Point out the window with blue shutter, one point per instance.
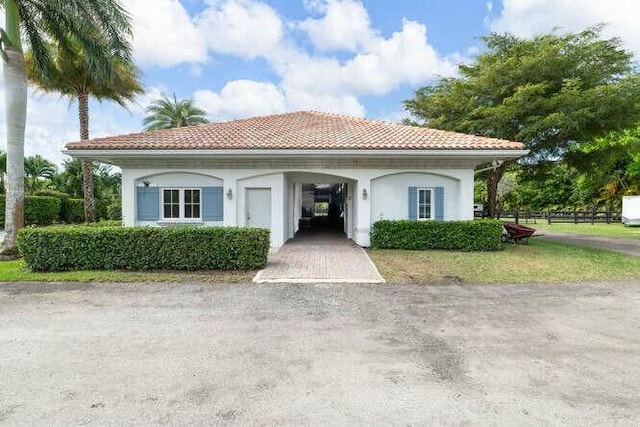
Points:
(426, 203)
(413, 203)
(147, 203)
(212, 204)
(439, 203)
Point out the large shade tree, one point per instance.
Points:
(100, 27)
(166, 113)
(549, 92)
(71, 75)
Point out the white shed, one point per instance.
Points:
(295, 170)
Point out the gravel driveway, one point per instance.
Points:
(319, 354)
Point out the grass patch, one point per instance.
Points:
(17, 271)
(605, 230)
(538, 262)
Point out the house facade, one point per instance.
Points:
(291, 171)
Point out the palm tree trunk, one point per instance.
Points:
(16, 114)
(87, 167)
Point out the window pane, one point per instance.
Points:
(196, 196)
(187, 196)
(427, 196)
(187, 211)
(196, 211)
(175, 211)
(421, 196)
(167, 211)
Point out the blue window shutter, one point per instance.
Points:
(413, 203)
(212, 204)
(439, 203)
(148, 203)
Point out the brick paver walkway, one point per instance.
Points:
(319, 258)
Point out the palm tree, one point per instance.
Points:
(36, 170)
(72, 76)
(100, 27)
(166, 113)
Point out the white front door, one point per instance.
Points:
(259, 207)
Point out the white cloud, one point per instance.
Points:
(53, 121)
(526, 18)
(405, 57)
(164, 34)
(240, 99)
(246, 98)
(334, 103)
(251, 29)
(142, 101)
(344, 26)
(242, 28)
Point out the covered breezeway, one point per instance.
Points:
(318, 204)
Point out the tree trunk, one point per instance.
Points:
(87, 167)
(16, 114)
(493, 179)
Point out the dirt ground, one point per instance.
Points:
(319, 354)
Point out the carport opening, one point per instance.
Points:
(323, 208)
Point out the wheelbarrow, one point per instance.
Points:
(516, 233)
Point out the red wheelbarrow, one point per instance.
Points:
(516, 233)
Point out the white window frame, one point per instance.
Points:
(432, 203)
(181, 204)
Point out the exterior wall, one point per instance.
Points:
(386, 192)
(389, 195)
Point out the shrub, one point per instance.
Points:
(478, 235)
(72, 210)
(41, 210)
(52, 193)
(104, 223)
(143, 248)
(114, 210)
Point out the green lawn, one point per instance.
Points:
(16, 271)
(609, 230)
(539, 262)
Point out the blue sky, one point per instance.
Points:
(241, 58)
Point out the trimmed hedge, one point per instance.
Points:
(143, 248)
(41, 210)
(476, 235)
(72, 210)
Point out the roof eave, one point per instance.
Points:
(474, 153)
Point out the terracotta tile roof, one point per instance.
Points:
(304, 130)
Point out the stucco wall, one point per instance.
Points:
(386, 193)
(390, 196)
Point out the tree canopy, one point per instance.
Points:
(551, 92)
(166, 113)
(101, 28)
(71, 75)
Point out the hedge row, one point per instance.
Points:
(143, 248)
(59, 207)
(478, 235)
(37, 210)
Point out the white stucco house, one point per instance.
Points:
(284, 171)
